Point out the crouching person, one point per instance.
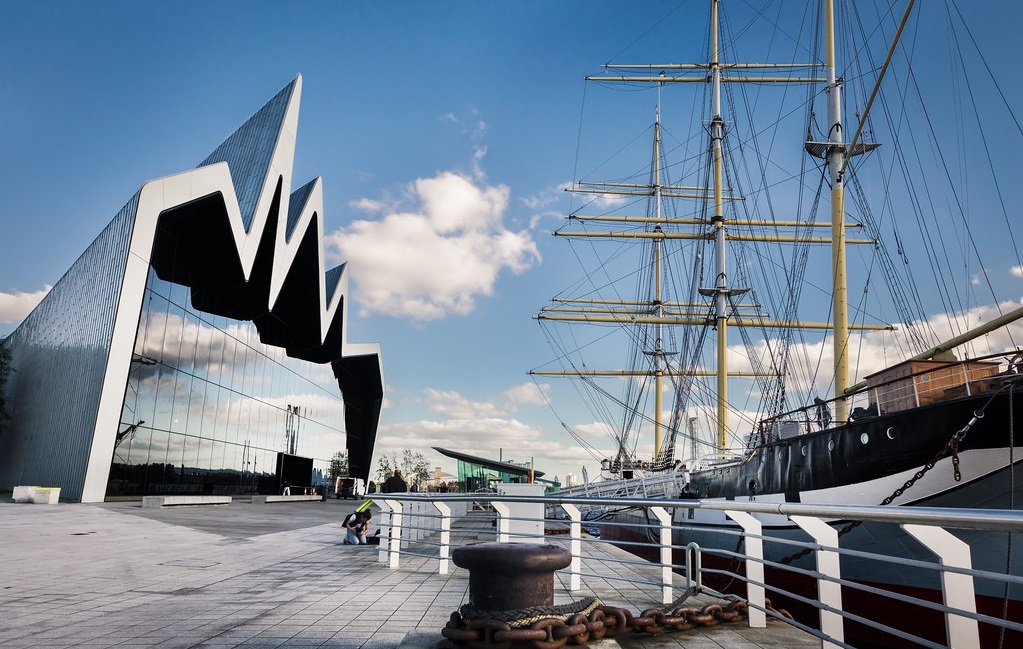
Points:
(356, 527)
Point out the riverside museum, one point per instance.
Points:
(198, 342)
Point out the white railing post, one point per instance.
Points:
(394, 533)
(503, 520)
(445, 536)
(828, 592)
(664, 518)
(385, 530)
(575, 532)
(755, 593)
(410, 520)
(957, 588)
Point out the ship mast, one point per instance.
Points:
(724, 311)
(717, 134)
(658, 353)
(836, 154)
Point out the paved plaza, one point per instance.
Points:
(243, 575)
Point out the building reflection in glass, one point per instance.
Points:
(208, 407)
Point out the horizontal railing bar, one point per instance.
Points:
(850, 616)
(999, 521)
(421, 526)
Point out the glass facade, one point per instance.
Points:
(59, 358)
(474, 477)
(208, 407)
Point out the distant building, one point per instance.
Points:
(570, 480)
(197, 337)
(475, 473)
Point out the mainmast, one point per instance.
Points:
(721, 292)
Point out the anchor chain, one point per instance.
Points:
(594, 620)
(951, 448)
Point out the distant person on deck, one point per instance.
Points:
(394, 484)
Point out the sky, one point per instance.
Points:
(444, 133)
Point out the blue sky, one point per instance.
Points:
(404, 103)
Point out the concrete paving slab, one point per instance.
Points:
(275, 575)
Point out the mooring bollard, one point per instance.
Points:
(510, 576)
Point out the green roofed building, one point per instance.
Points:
(476, 473)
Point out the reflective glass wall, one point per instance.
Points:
(208, 407)
(474, 477)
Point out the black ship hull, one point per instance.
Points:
(865, 463)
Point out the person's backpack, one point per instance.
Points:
(350, 519)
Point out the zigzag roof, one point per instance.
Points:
(247, 246)
(251, 249)
(261, 257)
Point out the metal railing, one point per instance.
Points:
(909, 385)
(421, 525)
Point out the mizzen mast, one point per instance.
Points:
(836, 154)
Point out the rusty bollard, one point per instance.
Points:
(510, 576)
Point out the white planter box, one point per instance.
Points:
(24, 494)
(46, 496)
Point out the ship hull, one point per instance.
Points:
(865, 463)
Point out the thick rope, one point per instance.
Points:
(527, 616)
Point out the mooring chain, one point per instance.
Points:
(602, 621)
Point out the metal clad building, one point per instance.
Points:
(199, 335)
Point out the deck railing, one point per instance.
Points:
(420, 524)
(910, 384)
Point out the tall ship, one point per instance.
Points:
(790, 293)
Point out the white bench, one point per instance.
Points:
(37, 495)
(184, 501)
(263, 500)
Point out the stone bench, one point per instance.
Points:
(263, 500)
(37, 495)
(184, 501)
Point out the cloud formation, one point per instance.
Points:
(529, 393)
(454, 405)
(432, 255)
(15, 306)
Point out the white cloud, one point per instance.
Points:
(541, 204)
(15, 306)
(369, 206)
(436, 256)
(528, 394)
(494, 438)
(1017, 271)
(876, 350)
(454, 405)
